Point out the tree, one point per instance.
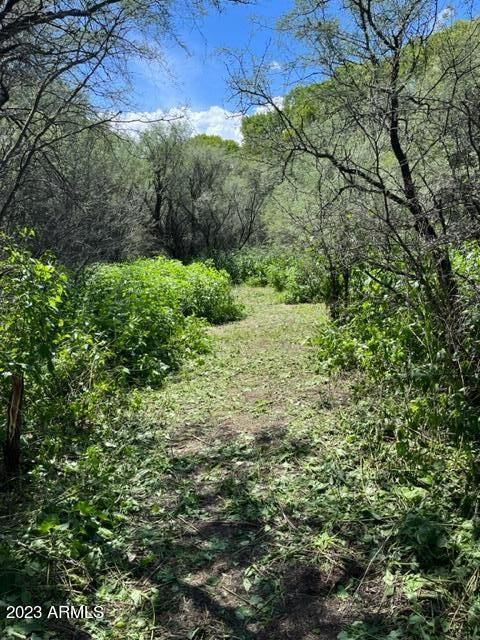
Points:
(385, 119)
(204, 199)
(63, 72)
(85, 199)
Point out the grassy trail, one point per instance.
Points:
(258, 379)
(249, 498)
(233, 503)
(231, 542)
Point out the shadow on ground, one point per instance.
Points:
(218, 571)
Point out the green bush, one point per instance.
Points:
(390, 332)
(152, 313)
(208, 293)
(32, 296)
(301, 275)
(375, 333)
(75, 342)
(306, 280)
(248, 265)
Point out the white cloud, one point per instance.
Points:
(275, 66)
(214, 121)
(278, 101)
(444, 16)
(217, 121)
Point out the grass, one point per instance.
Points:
(252, 498)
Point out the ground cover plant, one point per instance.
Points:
(152, 312)
(232, 504)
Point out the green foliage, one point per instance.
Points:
(301, 276)
(390, 331)
(374, 333)
(216, 142)
(259, 130)
(152, 312)
(250, 265)
(46, 339)
(32, 293)
(76, 342)
(306, 280)
(203, 195)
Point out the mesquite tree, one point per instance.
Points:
(203, 197)
(393, 120)
(64, 71)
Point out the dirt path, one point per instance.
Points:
(258, 379)
(232, 542)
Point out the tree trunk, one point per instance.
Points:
(11, 447)
(423, 226)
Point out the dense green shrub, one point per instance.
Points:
(207, 293)
(390, 332)
(374, 333)
(301, 276)
(248, 265)
(75, 342)
(32, 294)
(306, 280)
(144, 316)
(152, 312)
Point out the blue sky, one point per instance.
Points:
(196, 77)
